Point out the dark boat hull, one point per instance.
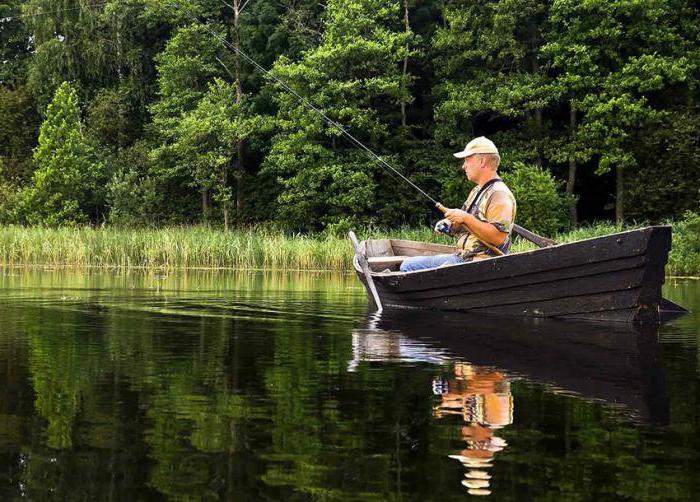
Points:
(614, 278)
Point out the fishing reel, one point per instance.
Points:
(443, 226)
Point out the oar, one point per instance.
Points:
(362, 260)
(542, 242)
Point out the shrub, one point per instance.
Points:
(542, 206)
(131, 194)
(685, 253)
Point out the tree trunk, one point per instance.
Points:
(118, 37)
(619, 195)
(239, 98)
(405, 61)
(571, 181)
(237, 45)
(535, 68)
(205, 206)
(224, 176)
(239, 182)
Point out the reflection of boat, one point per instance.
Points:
(616, 278)
(617, 363)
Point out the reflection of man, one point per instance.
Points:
(482, 396)
(489, 211)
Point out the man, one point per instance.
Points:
(488, 213)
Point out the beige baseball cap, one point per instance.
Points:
(477, 145)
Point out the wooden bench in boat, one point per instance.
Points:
(389, 254)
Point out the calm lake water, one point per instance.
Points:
(250, 386)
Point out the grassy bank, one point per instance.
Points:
(200, 247)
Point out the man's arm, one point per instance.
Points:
(495, 231)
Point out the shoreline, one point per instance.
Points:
(251, 249)
(128, 269)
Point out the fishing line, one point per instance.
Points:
(52, 12)
(309, 105)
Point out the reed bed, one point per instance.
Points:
(174, 247)
(206, 248)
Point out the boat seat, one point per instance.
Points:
(379, 248)
(382, 263)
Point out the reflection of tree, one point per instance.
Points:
(481, 396)
(194, 411)
(590, 451)
(297, 384)
(338, 434)
(81, 448)
(64, 363)
(126, 402)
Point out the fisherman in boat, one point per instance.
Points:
(489, 212)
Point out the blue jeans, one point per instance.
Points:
(422, 262)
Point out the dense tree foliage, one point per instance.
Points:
(601, 96)
(66, 185)
(355, 77)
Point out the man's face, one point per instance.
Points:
(470, 166)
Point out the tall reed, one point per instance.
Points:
(207, 248)
(173, 247)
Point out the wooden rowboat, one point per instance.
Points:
(617, 277)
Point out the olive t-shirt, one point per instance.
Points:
(497, 206)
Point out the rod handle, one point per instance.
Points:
(441, 207)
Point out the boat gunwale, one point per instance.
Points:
(522, 254)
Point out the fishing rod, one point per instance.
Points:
(339, 127)
(540, 241)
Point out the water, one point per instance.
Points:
(282, 387)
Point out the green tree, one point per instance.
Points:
(18, 134)
(186, 67)
(208, 138)
(666, 183)
(96, 45)
(14, 43)
(133, 195)
(69, 45)
(542, 207)
(256, 28)
(616, 62)
(491, 80)
(355, 76)
(66, 184)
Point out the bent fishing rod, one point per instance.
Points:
(267, 73)
(540, 241)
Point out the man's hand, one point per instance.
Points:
(457, 216)
(482, 230)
